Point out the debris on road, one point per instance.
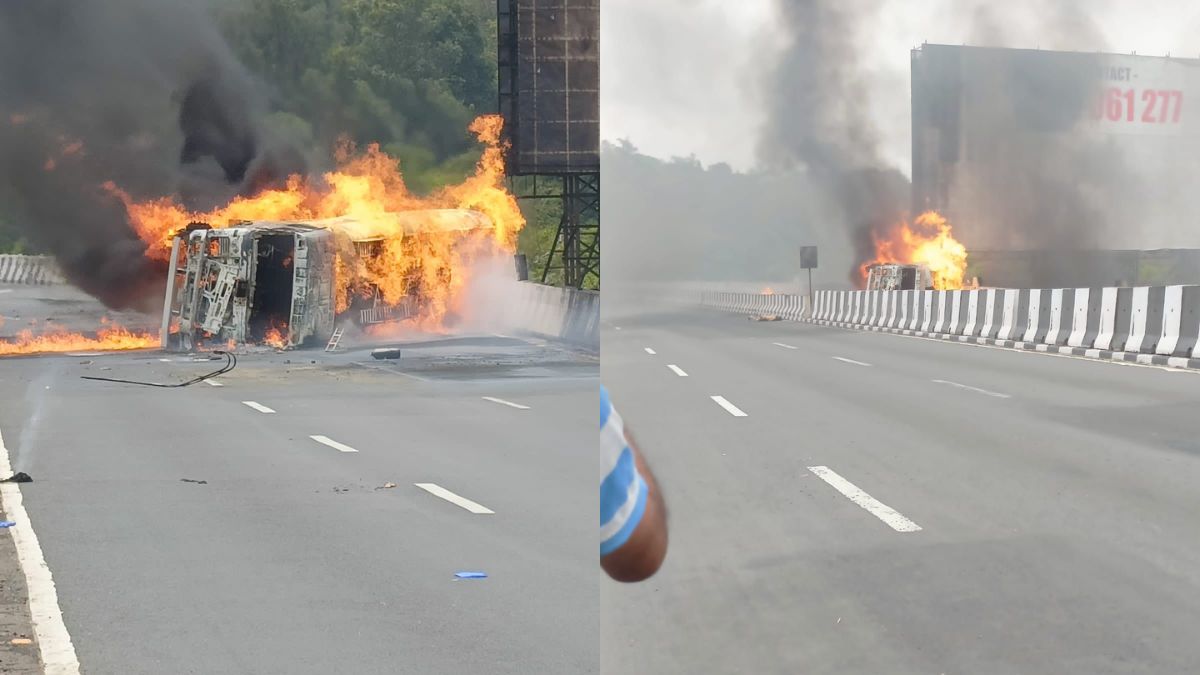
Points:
(386, 353)
(765, 317)
(386, 486)
(193, 480)
(21, 641)
(6, 523)
(18, 477)
(230, 364)
(471, 575)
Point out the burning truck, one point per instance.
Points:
(898, 277)
(288, 283)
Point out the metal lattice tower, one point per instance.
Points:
(576, 249)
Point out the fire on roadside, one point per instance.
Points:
(926, 241)
(368, 190)
(767, 290)
(110, 337)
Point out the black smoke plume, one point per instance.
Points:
(818, 119)
(143, 93)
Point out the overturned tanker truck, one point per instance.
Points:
(278, 283)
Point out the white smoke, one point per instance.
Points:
(491, 301)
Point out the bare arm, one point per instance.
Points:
(642, 555)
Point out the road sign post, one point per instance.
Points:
(808, 261)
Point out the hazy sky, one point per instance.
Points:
(684, 77)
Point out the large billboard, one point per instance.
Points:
(1030, 149)
(549, 81)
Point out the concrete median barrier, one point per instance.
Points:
(565, 314)
(1149, 324)
(29, 269)
(784, 305)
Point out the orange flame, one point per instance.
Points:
(767, 290)
(928, 241)
(109, 338)
(274, 338)
(369, 190)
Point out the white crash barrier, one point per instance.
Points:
(29, 269)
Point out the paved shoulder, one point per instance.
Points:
(18, 652)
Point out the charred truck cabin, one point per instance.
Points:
(276, 283)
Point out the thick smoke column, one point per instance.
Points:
(1027, 174)
(144, 93)
(818, 103)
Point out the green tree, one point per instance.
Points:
(410, 72)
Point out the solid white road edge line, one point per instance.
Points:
(852, 361)
(729, 407)
(258, 406)
(677, 370)
(53, 640)
(780, 344)
(650, 351)
(325, 440)
(882, 511)
(510, 404)
(977, 390)
(439, 491)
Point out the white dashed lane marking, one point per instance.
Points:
(851, 361)
(650, 351)
(977, 390)
(258, 406)
(729, 407)
(325, 440)
(510, 404)
(882, 511)
(439, 491)
(677, 370)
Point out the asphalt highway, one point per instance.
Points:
(857, 502)
(341, 496)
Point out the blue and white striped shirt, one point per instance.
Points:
(622, 488)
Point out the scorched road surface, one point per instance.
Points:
(295, 556)
(865, 503)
